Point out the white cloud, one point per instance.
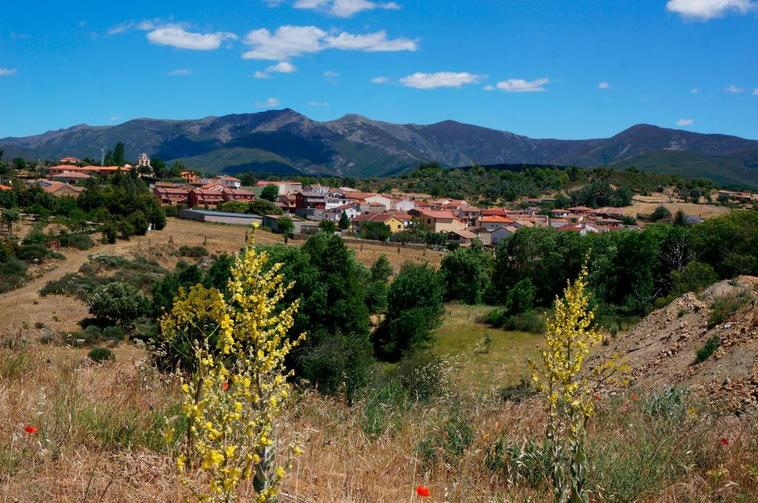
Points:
(284, 43)
(146, 25)
(704, 10)
(370, 42)
(734, 89)
(342, 8)
(694, 90)
(6, 72)
(685, 122)
(489, 87)
(269, 103)
(603, 85)
(289, 41)
(420, 80)
(281, 67)
(318, 104)
(114, 118)
(523, 86)
(755, 91)
(180, 72)
(380, 80)
(176, 36)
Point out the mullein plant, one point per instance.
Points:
(568, 389)
(234, 395)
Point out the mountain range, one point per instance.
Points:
(286, 142)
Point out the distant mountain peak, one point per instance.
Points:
(285, 141)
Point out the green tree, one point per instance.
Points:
(375, 231)
(415, 309)
(466, 272)
(263, 207)
(119, 158)
(286, 226)
(327, 226)
(159, 167)
(729, 243)
(660, 213)
(330, 286)
(270, 193)
(344, 222)
(376, 291)
(694, 277)
(118, 302)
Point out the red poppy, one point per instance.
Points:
(634, 397)
(597, 396)
(30, 428)
(423, 491)
(225, 386)
(724, 441)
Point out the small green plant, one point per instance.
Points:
(192, 251)
(710, 347)
(101, 355)
(670, 404)
(528, 462)
(725, 307)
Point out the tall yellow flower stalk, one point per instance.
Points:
(233, 398)
(569, 338)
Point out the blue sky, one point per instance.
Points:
(543, 68)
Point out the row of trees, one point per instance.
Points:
(628, 270)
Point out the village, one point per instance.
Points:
(307, 205)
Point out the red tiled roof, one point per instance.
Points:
(375, 217)
(5, 187)
(494, 211)
(72, 174)
(496, 219)
(359, 195)
(446, 215)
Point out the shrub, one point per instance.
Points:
(724, 307)
(113, 332)
(670, 404)
(33, 252)
(710, 347)
(527, 462)
(495, 318)
(118, 302)
(78, 241)
(532, 321)
(192, 251)
(520, 298)
(171, 211)
(110, 233)
(101, 355)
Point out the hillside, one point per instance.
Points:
(286, 142)
(662, 349)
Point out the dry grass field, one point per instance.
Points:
(99, 426)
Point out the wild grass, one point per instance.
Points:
(100, 427)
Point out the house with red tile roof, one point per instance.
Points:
(439, 221)
(171, 196)
(388, 219)
(70, 176)
(239, 195)
(492, 222)
(204, 198)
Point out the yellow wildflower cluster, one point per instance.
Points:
(233, 398)
(569, 337)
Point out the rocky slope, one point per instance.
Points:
(662, 348)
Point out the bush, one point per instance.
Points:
(192, 251)
(118, 302)
(710, 347)
(724, 307)
(415, 309)
(532, 321)
(113, 332)
(520, 298)
(78, 241)
(375, 231)
(101, 355)
(110, 233)
(33, 252)
(171, 211)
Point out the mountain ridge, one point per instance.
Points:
(286, 141)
